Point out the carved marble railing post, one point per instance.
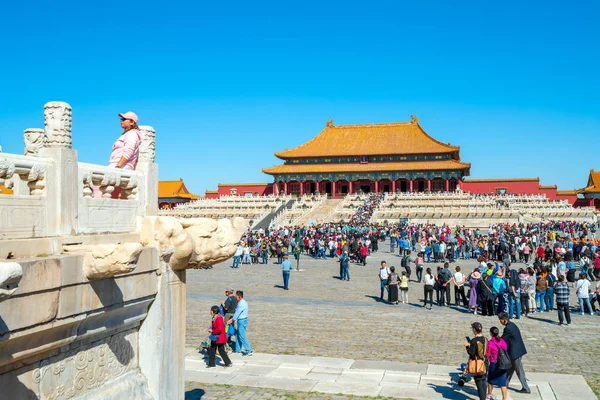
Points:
(149, 196)
(62, 189)
(57, 124)
(35, 139)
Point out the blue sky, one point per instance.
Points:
(227, 84)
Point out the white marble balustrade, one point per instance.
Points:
(24, 213)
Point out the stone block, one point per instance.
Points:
(24, 311)
(25, 248)
(39, 275)
(105, 293)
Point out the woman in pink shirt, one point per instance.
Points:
(496, 377)
(126, 150)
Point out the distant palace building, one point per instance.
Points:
(171, 193)
(370, 158)
(388, 157)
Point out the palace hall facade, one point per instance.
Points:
(387, 157)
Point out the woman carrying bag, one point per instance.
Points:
(499, 362)
(477, 364)
(218, 338)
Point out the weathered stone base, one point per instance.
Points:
(132, 385)
(104, 369)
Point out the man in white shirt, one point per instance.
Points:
(384, 273)
(237, 256)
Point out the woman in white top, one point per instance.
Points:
(459, 288)
(428, 281)
(582, 289)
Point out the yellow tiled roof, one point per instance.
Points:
(566, 192)
(370, 139)
(168, 189)
(368, 167)
(593, 185)
(547, 186)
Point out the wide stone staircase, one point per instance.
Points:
(266, 221)
(322, 213)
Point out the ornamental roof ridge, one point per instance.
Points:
(370, 125)
(370, 139)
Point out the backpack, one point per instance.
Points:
(404, 262)
(445, 275)
(504, 362)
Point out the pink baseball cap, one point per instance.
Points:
(130, 115)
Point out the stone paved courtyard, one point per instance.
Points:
(323, 316)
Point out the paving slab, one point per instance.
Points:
(286, 359)
(292, 372)
(361, 376)
(332, 362)
(393, 377)
(574, 388)
(326, 370)
(273, 383)
(546, 392)
(390, 366)
(350, 388)
(316, 376)
(436, 379)
(255, 358)
(206, 377)
(256, 370)
(441, 370)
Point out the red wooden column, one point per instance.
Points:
(410, 186)
(429, 185)
(333, 192)
(318, 187)
(275, 189)
(393, 186)
(301, 188)
(350, 187)
(376, 186)
(285, 188)
(447, 185)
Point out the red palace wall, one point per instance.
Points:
(241, 189)
(516, 186)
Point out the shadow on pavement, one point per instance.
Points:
(195, 394)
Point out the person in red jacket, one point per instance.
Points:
(217, 332)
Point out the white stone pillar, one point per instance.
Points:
(162, 336)
(149, 198)
(62, 190)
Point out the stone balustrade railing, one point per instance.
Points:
(55, 195)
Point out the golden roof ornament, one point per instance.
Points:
(414, 119)
(329, 123)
